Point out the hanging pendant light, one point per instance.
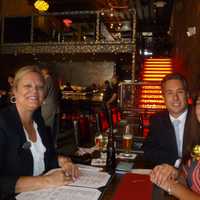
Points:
(41, 5)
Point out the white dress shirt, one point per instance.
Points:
(181, 119)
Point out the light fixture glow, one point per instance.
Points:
(158, 65)
(152, 106)
(152, 96)
(41, 5)
(152, 79)
(158, 59)
(158, 62)
(158, 68)
(154, 75)
(156, 87)
(157, 72)
(67, 22)
(151, 92)
(152, 101)
(154, 71)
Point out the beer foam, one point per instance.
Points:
(127, 137)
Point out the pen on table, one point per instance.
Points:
(68, 175)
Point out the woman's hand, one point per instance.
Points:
(169, 186)
(68, 167)
(57, 178)
(163, 172)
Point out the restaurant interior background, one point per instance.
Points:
(87, 42)
(156, 31)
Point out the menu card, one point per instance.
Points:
(134, 186)
(84, 188)
(61, 193)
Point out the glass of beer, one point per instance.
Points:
(127, 141)
(99, 141)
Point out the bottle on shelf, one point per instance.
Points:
(140, 127)
(76, 132)
(111, 159)
(98, 135)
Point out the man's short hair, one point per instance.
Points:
(175, 76)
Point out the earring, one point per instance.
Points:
(12, 99)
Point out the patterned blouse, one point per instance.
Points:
(192, 172)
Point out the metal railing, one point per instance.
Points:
(86, 27)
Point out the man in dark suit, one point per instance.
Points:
(166, 143)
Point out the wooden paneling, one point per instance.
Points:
(186, 49)
(15, 8)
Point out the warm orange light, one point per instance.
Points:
(151, 91)
(158, 68)
(155, 75)
(41, 5)
(151, 96)
(152, 106)
(157, 59)
(157, 72)
(152, 79)
(154, 71)
(158, 62)
(147, 65)
(156, 87)
(151, 101)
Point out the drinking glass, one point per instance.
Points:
(99, 142)
(127, 141)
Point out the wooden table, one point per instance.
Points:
(109, 191)
(111, 187)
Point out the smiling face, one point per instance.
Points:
(175, 97)
(29, 91)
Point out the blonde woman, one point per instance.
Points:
(26, 152)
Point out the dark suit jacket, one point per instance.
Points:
(160, 145)
(15, 159)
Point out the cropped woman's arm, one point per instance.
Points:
(53, 179)
(179, 190)
(165, 177)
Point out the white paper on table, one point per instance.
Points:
(88, 167)
(61, 193)
(141, 171)
(130, 156)
(98, 162)
(81, 151)
(91, 178)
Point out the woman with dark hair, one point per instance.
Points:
(184, 184)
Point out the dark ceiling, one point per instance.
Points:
(152, 15)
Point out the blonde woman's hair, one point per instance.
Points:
(23, 71)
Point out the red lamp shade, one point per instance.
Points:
(67, 22)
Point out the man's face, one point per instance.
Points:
(175, 97)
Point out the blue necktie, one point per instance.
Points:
(176, 124)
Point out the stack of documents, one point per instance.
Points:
(84, 188)
(61, 193)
